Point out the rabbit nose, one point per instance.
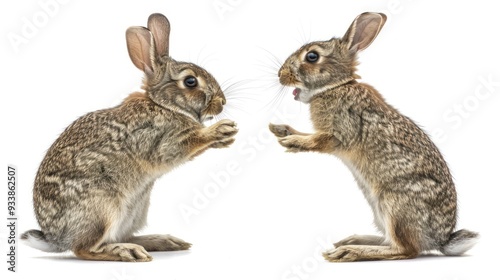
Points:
(223, 101)
(280, 71)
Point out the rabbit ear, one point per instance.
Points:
(160, 28)
(363, 30)
(140, 45)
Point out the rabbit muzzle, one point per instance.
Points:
(287, 77)
(215, 107)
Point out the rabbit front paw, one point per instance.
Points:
(280, 130)
(283, 130)
(222, 133)
(342, 254)
(293, 143)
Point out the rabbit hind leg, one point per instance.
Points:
(403, 244)
(160, 242)
(93, 243)
(351, 253)
(127, 252)
(362, 240)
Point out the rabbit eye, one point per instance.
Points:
(312, 56)
(190, 81)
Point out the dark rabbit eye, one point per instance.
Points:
(312, 57)
(190, 81)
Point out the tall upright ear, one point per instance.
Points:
(160, 27)
(363, 30)
(140, 45)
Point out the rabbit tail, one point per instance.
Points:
(460, 242)
(37, 239)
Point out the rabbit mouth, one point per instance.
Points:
(209, 113)
(296, 93)
(303, 95)
(206, 118)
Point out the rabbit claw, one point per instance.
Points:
(223, 133)
(293, 143)
(280, 130)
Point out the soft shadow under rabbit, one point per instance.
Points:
(400, 171)
(92, 190)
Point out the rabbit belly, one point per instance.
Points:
(370, 196)
(130, 217)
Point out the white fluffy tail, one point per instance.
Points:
(36, 239)
(460, 242)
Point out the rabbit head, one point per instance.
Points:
(181, 86)
(320, 66)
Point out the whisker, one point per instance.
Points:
(269, 70)
(277, 99)
(224, 84)
(241, 97)
(273, 58)
(206, 58)
(225, 114)
(233, 86)
(239, 108)
(242, 88)
(304, 39)
(238, 94)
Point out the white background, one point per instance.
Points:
(270, 219)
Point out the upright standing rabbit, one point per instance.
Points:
(92, 189)
(399, 170)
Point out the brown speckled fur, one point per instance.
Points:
(92, 190)
(399, 170)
